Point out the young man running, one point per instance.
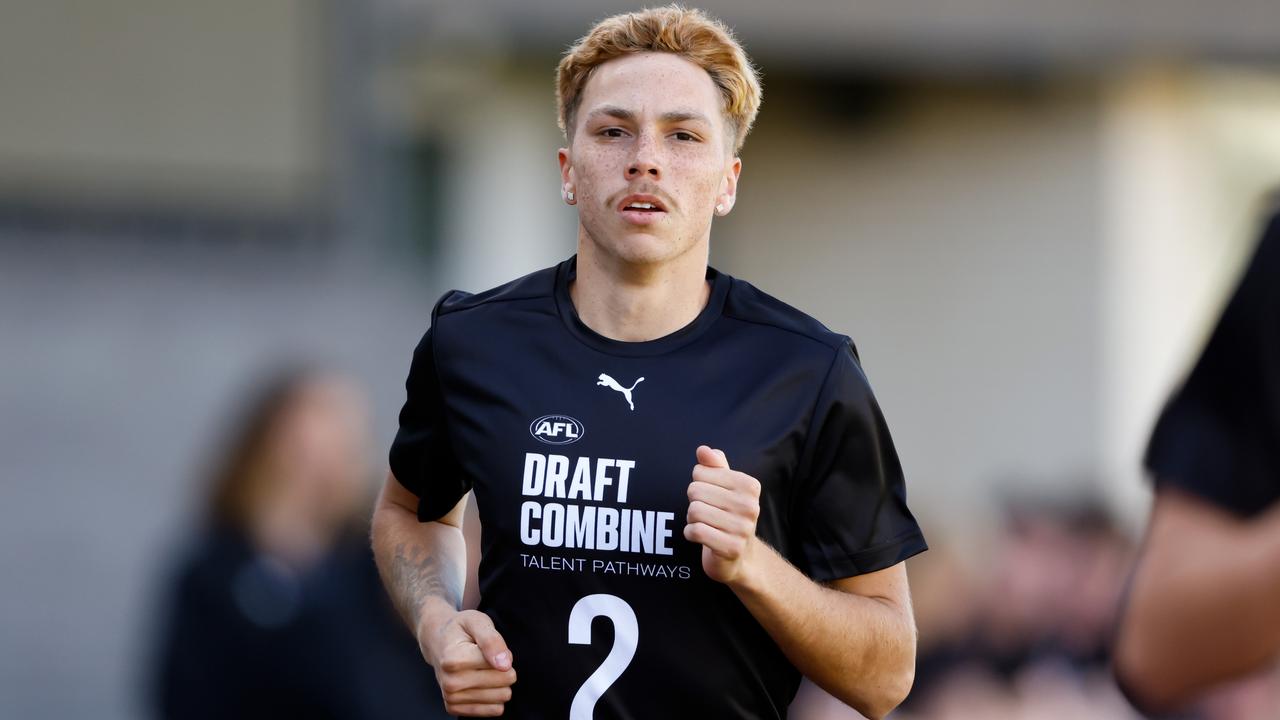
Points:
(649, 440)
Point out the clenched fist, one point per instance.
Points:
(724, 506)
(472, 664)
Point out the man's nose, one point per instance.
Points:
(647, 161)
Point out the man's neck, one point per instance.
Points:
(636, 303)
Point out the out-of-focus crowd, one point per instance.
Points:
(1024, 629)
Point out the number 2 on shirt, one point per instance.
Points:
(626, 634)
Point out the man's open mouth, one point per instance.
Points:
(642, 204)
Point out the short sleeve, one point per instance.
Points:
(421, 456)
(851, 515)
(1219, 435)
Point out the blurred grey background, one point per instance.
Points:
(1026, 214)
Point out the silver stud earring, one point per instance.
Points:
(568, 195)
(720, 208)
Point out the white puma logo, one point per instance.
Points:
(609, 382)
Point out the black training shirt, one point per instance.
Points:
(580, 451)
(1219, 436)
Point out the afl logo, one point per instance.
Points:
(556, 429)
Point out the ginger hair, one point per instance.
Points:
(688, 33)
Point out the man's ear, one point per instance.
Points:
(729, 187)
(566, 167)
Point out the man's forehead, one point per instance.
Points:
(657, 82)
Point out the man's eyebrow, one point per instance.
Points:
(676, 116)
(671, 116)
(612, 111)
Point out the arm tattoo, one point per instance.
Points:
(417, 575)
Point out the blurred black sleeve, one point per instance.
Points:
(1219, 436)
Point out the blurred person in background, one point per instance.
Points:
(1024, 632)
(1204, 604)
(737, 435)
(275, 609)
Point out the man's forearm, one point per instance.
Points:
(860, 649)
(423, 565)
(1204, 605)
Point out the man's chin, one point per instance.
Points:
(639, 248)
(642, 249)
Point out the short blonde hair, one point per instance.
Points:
(689, 33)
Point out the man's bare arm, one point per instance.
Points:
(854, 637)
(1204, 604)
(422, 565)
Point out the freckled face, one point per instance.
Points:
(650, 130)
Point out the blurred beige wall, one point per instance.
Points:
(145, 101)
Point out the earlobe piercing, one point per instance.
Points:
(568, 196)
(720, 208)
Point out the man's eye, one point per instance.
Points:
(612, 132)
(686, 136)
